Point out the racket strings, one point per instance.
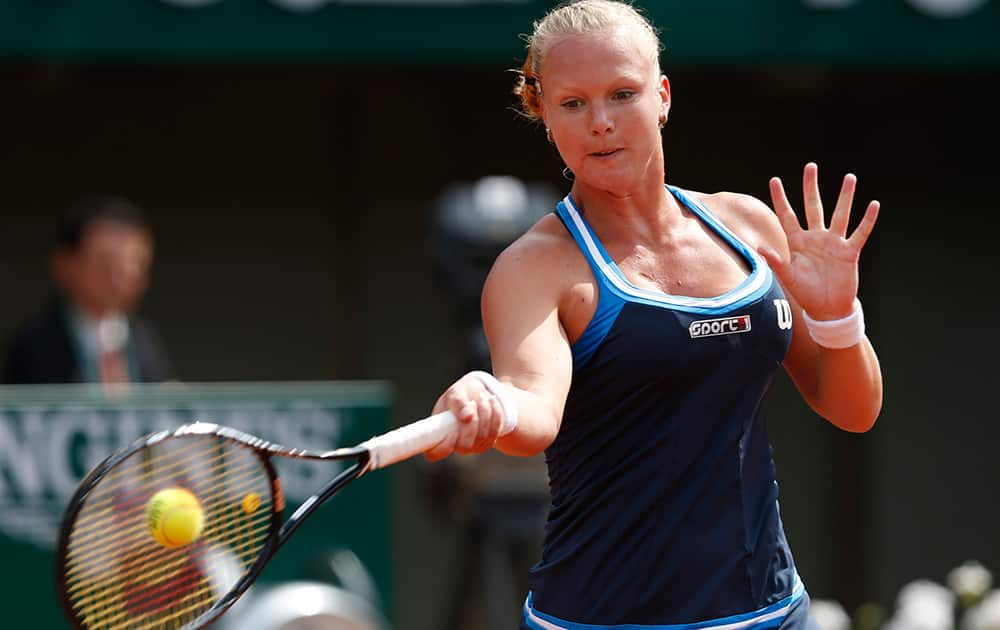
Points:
(145, 592)
(118, 576)
(152, 578)
(165, 564)
(91, 524)
(162, 566)
(137, 533)
(203, 594)
(175, 459)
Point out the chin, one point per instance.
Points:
(618, 184)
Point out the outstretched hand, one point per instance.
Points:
(821, 271)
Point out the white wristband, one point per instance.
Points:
(837, 333)
(506, 399)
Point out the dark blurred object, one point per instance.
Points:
(338, 593)
(473, 223)
(344, 569)
(304, 606)
(88, 331)
(499, 501)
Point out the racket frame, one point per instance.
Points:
(279, 531)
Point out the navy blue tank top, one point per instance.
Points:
(664, 500)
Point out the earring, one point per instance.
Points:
(568, 174)
(548, 134)
(663, 121)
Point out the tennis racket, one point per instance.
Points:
(113, 574)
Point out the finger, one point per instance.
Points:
(469, 439)
(865, 227)
(443, 449)
(467, 433)
(466, 438)
(496, 421)
(810, 195)
(487, 419)
(842, 213)
(786, 215)
(463, 407)
(775, 262)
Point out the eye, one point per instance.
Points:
(572, 103)
(623, 95)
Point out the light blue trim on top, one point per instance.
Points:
(609, 302)
(753, 287)
(767, 617)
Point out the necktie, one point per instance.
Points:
(113, 367)
(111, 360)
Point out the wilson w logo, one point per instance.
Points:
(784, 314)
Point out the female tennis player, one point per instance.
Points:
(635, 333)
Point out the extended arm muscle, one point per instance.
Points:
(529, 348)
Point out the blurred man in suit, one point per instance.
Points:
(88, 333)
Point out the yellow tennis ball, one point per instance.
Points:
(175, 517)
(251, 503)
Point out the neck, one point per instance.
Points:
(646, 213)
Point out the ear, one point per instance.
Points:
(664, 91)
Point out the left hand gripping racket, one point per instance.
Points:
(114, 575)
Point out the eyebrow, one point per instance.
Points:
(633, 80)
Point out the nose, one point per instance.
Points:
(126, 272)
(600, 121)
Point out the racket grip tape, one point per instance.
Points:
(412, 439)
(422, 435)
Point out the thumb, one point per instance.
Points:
(774, 261)
(442, 449)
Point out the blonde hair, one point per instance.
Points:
(574, 18)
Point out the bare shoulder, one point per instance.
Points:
(749, 217)
(538, 250)
(539, 258)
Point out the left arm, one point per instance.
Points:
(818, 268)
(844, 386)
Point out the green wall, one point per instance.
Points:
(864, 33)
(51, 437)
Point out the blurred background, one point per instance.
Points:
(301, 164)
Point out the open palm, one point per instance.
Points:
(821, 271)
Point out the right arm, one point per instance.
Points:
(530, 352)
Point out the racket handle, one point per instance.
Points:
(412, 439)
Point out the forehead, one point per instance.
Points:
(106, 233)
(605, 55)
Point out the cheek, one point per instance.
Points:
(570, 149)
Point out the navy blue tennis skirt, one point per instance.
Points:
(791, 613)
